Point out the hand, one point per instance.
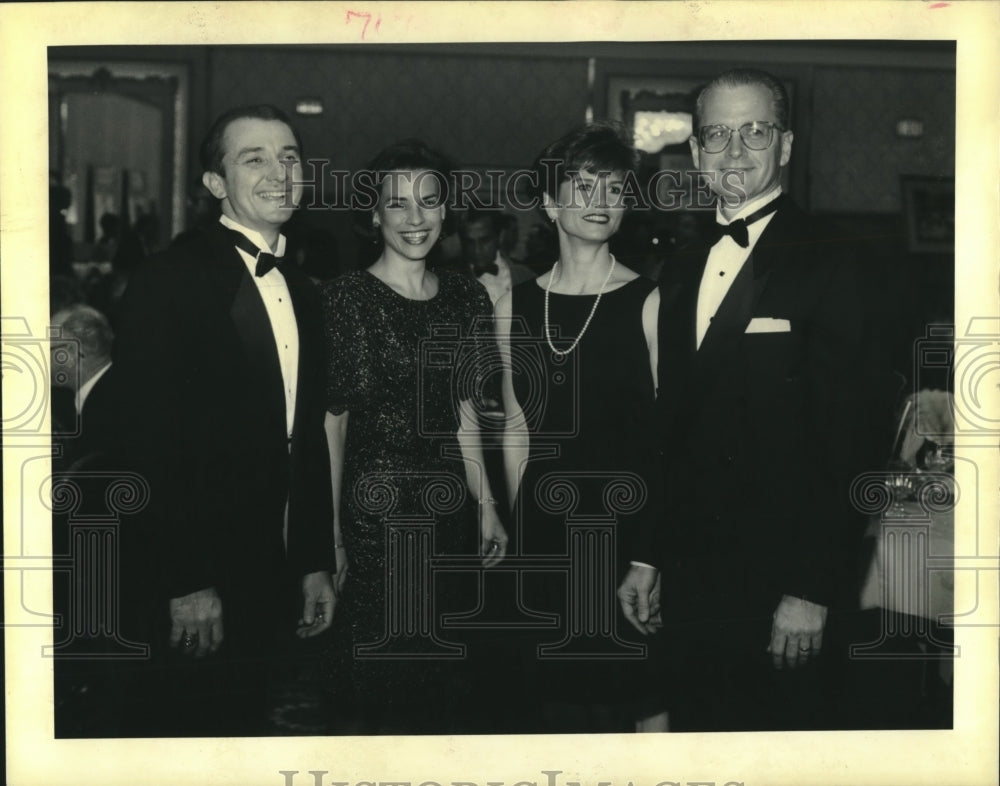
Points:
(320, 599)
(340, 577)
(196, 623)
(493, 545)
(797, 632)
(639, 596)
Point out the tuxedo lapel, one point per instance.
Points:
(724, 336)
(254, 330)
(238, 293)
(733, 315)
(678, 312)
(676, 334)
(686, 371)
(737, 307)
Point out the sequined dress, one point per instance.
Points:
(398, 367)
(591, 478)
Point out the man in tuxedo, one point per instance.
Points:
(479, 235)
(760, 374)
(219, 379)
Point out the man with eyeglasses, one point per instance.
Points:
(759, 368)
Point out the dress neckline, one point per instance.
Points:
(607, 292)
(404, 297)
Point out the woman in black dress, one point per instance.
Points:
(403, 352)
(578, 346)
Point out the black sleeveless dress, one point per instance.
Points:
(591, 479)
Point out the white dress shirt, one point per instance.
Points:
(86, 387)
(278, 303)
(725, 261)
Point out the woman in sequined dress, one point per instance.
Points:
(578, 346)
(408, 491)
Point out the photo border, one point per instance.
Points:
(965, 755)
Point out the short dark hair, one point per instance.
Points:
(603, 146)
(496, 219)
(754, 77)
(407, 155)
(212, 150)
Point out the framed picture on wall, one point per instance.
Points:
(659, 111)
(929, 213)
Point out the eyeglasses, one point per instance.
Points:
(757, 135)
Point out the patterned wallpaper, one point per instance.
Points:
(500, 109)
(476, 109)
(855, 158)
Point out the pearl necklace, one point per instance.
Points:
(548, 334)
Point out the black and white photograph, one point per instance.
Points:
(579, 397)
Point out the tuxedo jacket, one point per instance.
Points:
(97, 417)
(755, 426)
(202, 416)
(82, 438)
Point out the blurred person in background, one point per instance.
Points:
(480, 233)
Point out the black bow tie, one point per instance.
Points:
(266, 261)
(737, 229)
(483, 269)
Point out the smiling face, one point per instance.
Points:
(738, 174)
(410, 214)
(261, 181)
(588, 206)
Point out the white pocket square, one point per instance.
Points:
(769, 325)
